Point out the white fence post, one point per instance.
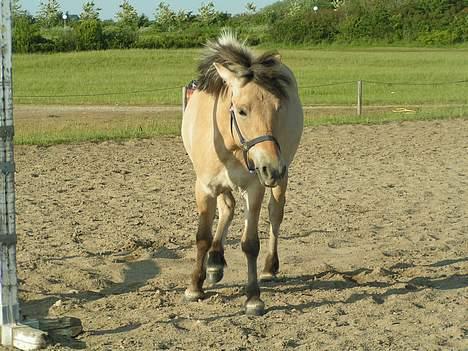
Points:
(12, 333)
(24, 336)
(9, 312)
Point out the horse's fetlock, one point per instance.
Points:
(216, 259)
(272, 264)
(252, 291)
(204, 238)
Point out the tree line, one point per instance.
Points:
(289, 22)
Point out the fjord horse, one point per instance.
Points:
(241, 129)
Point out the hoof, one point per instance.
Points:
(254, 308)
(268, 277)
(191, 296)
(214, 275)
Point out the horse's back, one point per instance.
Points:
(292, 121)
(195, 120)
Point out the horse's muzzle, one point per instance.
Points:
(270, 175)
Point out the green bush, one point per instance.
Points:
(306, 27)
(459, 27)
(56, 39)
(437, 37)
(165, 40)
(89, 35)
(367, 21)
(119, 37)
(425, 21)
(25, 34)
(65, 39)
(42, 44)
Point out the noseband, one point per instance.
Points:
(246, 145)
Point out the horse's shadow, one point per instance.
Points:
(308, 284)
(456, 281)
(136, 275)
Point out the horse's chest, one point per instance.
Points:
(224, 180)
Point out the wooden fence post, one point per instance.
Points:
(184, 98)
(359, 97)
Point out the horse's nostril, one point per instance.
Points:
(275, 174)
(265, 170)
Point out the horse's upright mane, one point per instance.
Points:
(265, 70)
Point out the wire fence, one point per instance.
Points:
(416, 84)
(97, 94)
(359, 99)
(179, 87)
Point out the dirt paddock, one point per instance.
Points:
(373, 250)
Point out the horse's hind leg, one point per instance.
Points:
(275, 212)
(206, 204)
(216, 262)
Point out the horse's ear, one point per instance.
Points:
(277, 57)
(225, 74)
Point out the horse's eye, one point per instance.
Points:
(242, 112)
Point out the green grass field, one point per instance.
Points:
(140, 77)
(155, 77)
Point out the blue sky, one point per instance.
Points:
(111, 7)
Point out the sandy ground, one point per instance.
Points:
(374, 247)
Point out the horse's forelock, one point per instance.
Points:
(265, 70)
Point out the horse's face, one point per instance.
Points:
(257, 114)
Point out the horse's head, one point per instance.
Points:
(255, 113)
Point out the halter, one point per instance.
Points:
(246, 145)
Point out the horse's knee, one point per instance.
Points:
(251, 247)
(227, 204)
(276, 210)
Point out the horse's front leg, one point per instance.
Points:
(251, 246)
(206, 205)
(276, 213)
(216, 261)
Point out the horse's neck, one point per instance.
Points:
(222, 106)
(222, 118)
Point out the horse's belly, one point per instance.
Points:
(188, 124)
(186, 133)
